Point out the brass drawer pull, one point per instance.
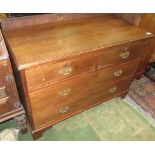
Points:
(112, 90)
(65, 92)
(66, 70)
(64, 109)
(118, 73)
(125, 55)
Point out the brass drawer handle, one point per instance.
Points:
(66, 70)
(65, 92)
(64, 109)
(118, 73)
(112, 90)
(125, 55)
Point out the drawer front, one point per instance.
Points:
(122, 53)
(47, 106)
(75, 88)
(106, 91)
(119, 71)
(51, 73)
(4, 105)
(70, 92)
(65, 92)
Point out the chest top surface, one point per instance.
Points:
(36, 44)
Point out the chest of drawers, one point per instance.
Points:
(10, 105)
(67, 63)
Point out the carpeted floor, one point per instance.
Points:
(113, 120)
(142, 91)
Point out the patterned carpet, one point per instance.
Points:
(143, 93)
(112, 120)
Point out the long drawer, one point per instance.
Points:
(45, 109)
(122, 53)
(53, 72)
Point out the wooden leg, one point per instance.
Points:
(124, 95)
(22, 123)
(37, 135)
(138, 76)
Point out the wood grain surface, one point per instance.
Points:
(38, 44)
(67, 64)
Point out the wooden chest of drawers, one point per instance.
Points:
(71, 62)
(10, 105)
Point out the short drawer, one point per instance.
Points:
(52, 73)
(122, 53)
(45, 107)
(119, 71)
(4, 105)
